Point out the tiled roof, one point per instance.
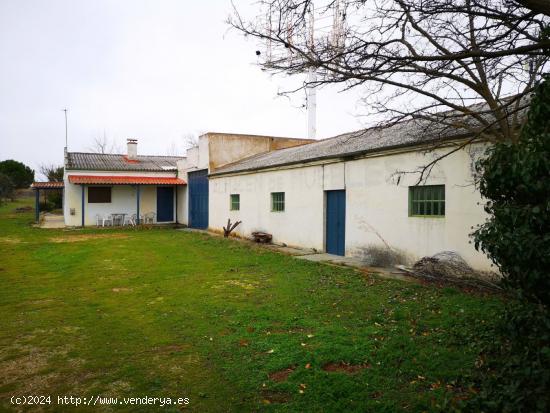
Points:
(47, 185)
(124, 180)
(118, 162)
(399, 135)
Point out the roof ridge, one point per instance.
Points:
(124, 154)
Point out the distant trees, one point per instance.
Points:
(102, 144)
(20, 174)
(7, 188)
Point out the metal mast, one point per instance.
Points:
(311, 92)
(66, 130)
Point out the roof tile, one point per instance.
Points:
(118, 162)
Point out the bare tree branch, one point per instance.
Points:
(414, 58)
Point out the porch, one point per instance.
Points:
(46, 187)
(122, 200)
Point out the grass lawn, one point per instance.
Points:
(231, 326)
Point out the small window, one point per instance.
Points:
(99, 194)
(277, 201)
(427, 200)
(234, 202)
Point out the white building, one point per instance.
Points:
(342, 195)
(99, 185)
(213, 151)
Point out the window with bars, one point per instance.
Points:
(277, 201)
(427, 201)
(234, 202)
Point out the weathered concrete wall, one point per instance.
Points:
(217, 149)
(182, 204)
(376, 208)
(225, 148)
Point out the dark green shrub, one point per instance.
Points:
(7, 188)
(55, 198)
(515, 178)
(515, 371)
(20, 174)
(516, 181)
(46, 206)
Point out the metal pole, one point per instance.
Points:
(66, 129)
(83, 196)
(311, 105)
(137, 196)
(37, 205)
(311, 79)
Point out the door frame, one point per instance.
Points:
(174, 195)
(326, 218)
(190, 198)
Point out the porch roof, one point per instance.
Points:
(123, 180)
(47, 185)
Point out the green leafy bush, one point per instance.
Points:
(516, 181)
(7, 189)
(20, 174)
(46, 206)
(55, 198)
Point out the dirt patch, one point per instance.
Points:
(281, 375)
(86, 237)
(10, 240)
(245, 285)
(342, 367)
(122, 290)
(291, 330)
(271, 396)
(26, 368)
(171, 348)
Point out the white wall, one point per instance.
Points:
(303, 205)
(123, 197)
(181, 195)
(376, 208)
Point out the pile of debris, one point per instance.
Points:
(450, 267)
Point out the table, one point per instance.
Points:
(118, 218)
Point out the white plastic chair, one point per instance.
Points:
(149, 218)
(130, 220)
(100, 219)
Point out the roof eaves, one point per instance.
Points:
(344, 156)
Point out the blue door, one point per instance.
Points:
(165, 203)
(198, 199)
(336, 222)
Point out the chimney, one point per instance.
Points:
(132, 149)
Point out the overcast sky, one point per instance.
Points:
(148, 69)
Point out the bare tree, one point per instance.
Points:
(53, 173)
(173, 150)
(190, 140)
(102, 144)
(538, 6)
(467, 64)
